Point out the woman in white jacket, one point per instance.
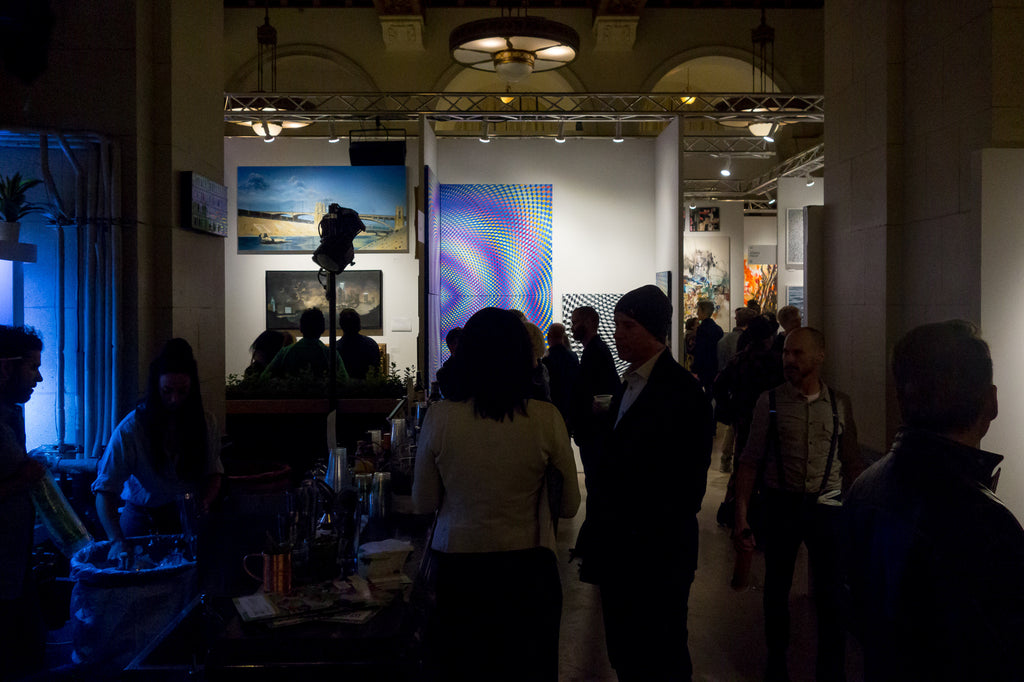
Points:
(483, 460)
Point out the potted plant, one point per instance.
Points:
(13, 204)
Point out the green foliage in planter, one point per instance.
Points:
(13, 204)
(307, 385)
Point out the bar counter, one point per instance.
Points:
(209, 640)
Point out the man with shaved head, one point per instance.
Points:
(803, 444)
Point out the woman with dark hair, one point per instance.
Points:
(482, 462)
(263, 350)
(166, 448)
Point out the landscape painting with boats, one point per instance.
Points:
(279, 207)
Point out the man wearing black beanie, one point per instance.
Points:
(659, 433)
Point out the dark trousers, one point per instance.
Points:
(497, 616)
(22, 635)
(646, 628)
(790, 520)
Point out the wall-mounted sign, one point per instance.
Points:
(204, 204)
(761, 254)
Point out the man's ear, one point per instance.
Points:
(990, 408)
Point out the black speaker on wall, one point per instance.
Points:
(376, 152)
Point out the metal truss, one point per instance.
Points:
(570, 107)
(728, 145)
(763, 186)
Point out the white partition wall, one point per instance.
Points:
(1002, 252)
(245, 297)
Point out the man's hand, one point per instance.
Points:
(743, 537)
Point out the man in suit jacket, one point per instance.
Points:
(647, 490)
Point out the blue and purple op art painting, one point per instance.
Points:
(494, 250)
(279, 207)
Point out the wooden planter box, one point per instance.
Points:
(293, 431)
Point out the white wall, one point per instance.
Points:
(794, 193)
(1002, 248)
(245, 285)
(603, 203)
(668, 199)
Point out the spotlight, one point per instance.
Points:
(560, 137)
(727, 169)
(770, 136)
(333, 139)
(809, 181)
(771, 201)
(485, 136)
(618, 132)
(693, 206)
(337, 230)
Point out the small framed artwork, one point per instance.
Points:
(795, 238)
(795, 297)
(204, 204)
(664, 282)
(290, 292)
(704, 219)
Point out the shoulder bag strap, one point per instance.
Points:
(773, 439)
(833, 444)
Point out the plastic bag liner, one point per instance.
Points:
(116, 613)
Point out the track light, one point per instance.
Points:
(560, 137)
(770, 137)
(809, 181)
(693, 206)
(771, 201)
(333, 139)
(618, 132)
(727, 168)
(485, 135)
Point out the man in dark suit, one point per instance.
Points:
(563, 365)
(644, 497)
(596, 376)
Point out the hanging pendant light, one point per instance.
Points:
(267, 125)
(513, 47)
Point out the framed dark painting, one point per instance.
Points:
(289, 292)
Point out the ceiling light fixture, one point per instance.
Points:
(333, 139)
(771, 201)
(809, 181)
(727, 168)
(485, 135)
(693, 206)
(265, 124)
(513, 47)
(618, 132)
(560, 137)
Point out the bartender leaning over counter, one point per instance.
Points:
(167, 448)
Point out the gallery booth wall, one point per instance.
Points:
(245, 273)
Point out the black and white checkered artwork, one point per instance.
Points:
(604, 304)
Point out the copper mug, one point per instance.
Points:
(277, 571)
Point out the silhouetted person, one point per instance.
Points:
(934, 560)
(705, 345)
(361, 354)
(563, 366)
(22, 632)
(263, 350)
(308, 354)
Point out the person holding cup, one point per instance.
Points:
(659, 425)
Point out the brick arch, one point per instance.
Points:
(307, 68)
(704, 65)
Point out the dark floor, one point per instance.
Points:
(726, 627)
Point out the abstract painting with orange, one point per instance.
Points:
(761, 283)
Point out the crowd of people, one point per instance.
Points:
(915, 555)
